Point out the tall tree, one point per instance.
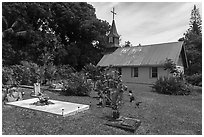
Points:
(193, 42)
(78, 27)
(195, 21)
(68, 32)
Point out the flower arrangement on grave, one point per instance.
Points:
(43, 100)
(11, 93)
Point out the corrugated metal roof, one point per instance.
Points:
(154, 55)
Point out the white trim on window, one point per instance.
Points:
(154, 72)
(134, 72)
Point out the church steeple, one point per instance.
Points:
(113, 31)
(113, 36)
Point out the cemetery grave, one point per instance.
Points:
(58, 107)
(41, 102)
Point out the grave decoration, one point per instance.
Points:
(43, 98)
(11, 93)
(59, 86)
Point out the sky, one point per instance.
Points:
(148, 23)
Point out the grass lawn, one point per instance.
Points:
(160, 114)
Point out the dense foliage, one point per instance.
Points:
(28, 73)
(174, 84)
(193, 43)
(92, 72)
(76, 85)
(62, 33)
(170, 65)
(25, 74)
(171, 86)
(195, 79)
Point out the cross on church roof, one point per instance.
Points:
(113, 13)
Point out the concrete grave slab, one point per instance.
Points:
(58, 108)
(129, 124)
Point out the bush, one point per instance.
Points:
(21, 74)
(25, 74)
(49, 72)
(195, 79)
(15, 74)
(76, 85)
(28, 73)
(171, 86)
(64, 72)
(195, 89)
(7, 76)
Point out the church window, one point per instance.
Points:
(154, 72)
(110, 39)
(134, 72)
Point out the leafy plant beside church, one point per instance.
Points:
(171, 86)
(174, 84)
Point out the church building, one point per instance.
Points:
(142, 64)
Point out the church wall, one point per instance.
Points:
(144, 75)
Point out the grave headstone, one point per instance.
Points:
(36, 89)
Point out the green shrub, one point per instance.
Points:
(195, 89)
(64, 72)
(92, 72)
(49, 72)
(195, 79)
(15, 74)
(76, 85)
(21, 74)
(7, 76)
(28, 73)
(25, 74)
(171, 86)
